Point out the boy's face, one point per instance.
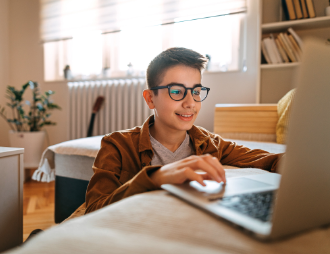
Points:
(177, 115)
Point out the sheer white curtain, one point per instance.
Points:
(63, 18)
(124, 35)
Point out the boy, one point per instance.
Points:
(168, 148)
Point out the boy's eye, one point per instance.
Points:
(196, 92)
(175, 91)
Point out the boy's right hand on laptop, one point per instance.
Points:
(185, 170)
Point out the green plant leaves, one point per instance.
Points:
(38, 113)
(49, 92)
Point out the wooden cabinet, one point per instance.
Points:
(255, 122)
(11, 197)
(275, 80)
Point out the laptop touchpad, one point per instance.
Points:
(233, 186)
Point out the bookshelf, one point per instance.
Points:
(275, 80)
(313, 23)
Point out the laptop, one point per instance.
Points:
(271, 206)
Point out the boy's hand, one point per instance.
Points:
(184, 170)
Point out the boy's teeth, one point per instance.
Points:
(186, 115)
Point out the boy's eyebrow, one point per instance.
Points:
(174, 83)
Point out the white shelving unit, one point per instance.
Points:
(275, 80)
(312, 23)
(274, 66)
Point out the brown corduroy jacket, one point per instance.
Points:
(122, 165)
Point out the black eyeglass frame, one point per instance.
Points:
(185, 92)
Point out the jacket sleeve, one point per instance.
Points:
(106, 186)
(240, 156)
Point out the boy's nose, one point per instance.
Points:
(188, 101)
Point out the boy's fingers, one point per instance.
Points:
(217, 165)
(205, 176)
(198, 162)
(189, 174)
(203, 164)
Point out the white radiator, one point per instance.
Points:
(123, 107)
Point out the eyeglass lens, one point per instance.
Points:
(198, 93)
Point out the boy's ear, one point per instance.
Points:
(148, 96)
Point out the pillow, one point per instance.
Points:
(283, 111)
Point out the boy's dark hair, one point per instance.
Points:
(170, 58)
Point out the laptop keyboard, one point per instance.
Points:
(256, 205)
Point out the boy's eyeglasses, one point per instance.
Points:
(178, 92)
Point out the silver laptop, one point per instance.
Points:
(271, 205)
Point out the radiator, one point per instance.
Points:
(123, 108)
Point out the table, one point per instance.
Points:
(11, 197)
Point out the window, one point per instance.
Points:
(96, 54)
(216, 37)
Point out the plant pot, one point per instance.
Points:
(33, 144)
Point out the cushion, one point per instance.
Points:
(283, 110)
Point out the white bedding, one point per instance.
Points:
(83, 147)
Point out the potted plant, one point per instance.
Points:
(26, 125)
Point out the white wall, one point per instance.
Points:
(20, 19)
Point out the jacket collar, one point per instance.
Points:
(144, 142)
(196, 135)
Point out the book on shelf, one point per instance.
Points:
(274, 59)
(310, 8)
(291, 46)
(295, 45)
(296, 37)
(284, 48)
(282, 51)
(287, 48)
(288, 8)
(272, 52)
(297, 8)
(275, 49)
(304, 8)
(265, 53)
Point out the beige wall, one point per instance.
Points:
(26, 53)
(22, 57)
(4, 65)
(26, 58)
(20, 34)
(235, 87)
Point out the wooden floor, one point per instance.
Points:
(38, 206)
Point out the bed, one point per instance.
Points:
(70, 165)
